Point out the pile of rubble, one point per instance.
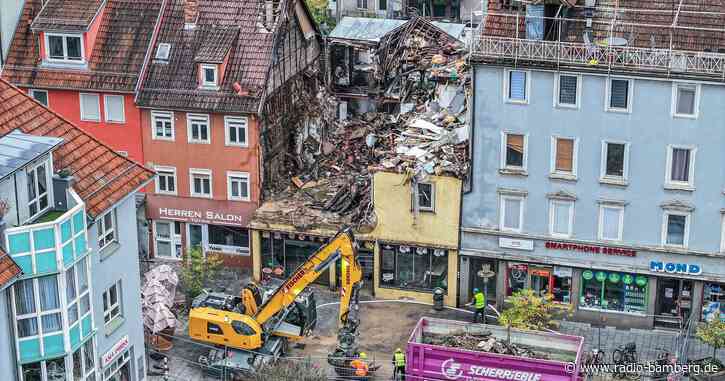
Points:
(484, 342)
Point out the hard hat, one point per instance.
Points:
(475, 291)
(363, 355)
(398, 350)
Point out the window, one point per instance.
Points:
(37, 306)
(209, 76)
(107, 229)
(228, 239)
(38, 197)
(198, 128)
(111, 304)
(362, 4)
(410, 267)
(685, 100)
(611, 222)
(162, 123)
(114, 108)
(163, 51)
(166, 180)
(619, 95)
(615, 162)
(242, 328)
(713, 302)
(680, 167)
(200, 183)
(238, 186)
(613, 291)
(563, 158)
(90, 107)
(383, 5)
(516, 86)
(511, 213)
(62, 47)
(235, 131)
(425, 197)
(40, 96)
(561, 218)
(514, 148)
(83, 362)
(675, 229)
(167, 236)
(543, 280)
(213, 329)
(76, 280)
(568, 88)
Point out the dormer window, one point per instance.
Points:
(163, 51)
(209, 76)
(64, 47)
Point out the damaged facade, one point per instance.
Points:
(394, 176)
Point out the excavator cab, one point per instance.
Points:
(225, 328)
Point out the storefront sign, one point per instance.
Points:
(595, 249)
(200, 211)
(117, 348)
(675, 268)
(520, 244)
(453, 370)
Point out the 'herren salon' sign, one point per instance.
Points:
(594, 249)
(207, 216)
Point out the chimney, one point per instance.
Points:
(269, 14)
(191, 13)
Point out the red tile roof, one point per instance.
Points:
(118, 53)
(9, 270)
(174, 85)
(216, 44)
(67, 15)
(102, 176)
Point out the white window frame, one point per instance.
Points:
(686, 238)
(574, 159)
(608, 94)
(162, 57)
(32, 92)
(48, 188)
(502, 212)
(504, 148)
(109, 312)
(527, 86)
(609, 179)
(162, 114)
(202, 71)
(123, 108)
(160, 168)
(680, 185)
(432, 207)
(65, 48)
(80, 100)
(228, 120)
(676, 95)
(173, 240)
(600, 224)
(38, 314)
(557, 90)
(722, 232)
(198, 118)
(230, 176)
(552, 218)
(202, 172)
(103, 231)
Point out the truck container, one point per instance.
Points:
(556, 357)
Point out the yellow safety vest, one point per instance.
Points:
(480, 300)
(399, 358)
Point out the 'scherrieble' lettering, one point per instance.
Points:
(590, 249)
(503, 374)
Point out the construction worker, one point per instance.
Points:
(360, 366)
(479, 303)
(398, 365)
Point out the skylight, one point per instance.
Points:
(162, 52)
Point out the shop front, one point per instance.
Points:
(213, 226)
(116, 362)
(713, 301)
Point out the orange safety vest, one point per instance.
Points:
(361, 368)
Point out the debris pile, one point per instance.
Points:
(484, 342)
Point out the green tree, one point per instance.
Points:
(318, 8)
(528, 311)
(713, 334)
(283, 369)
(197, 270)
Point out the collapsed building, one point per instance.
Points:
(392, 167)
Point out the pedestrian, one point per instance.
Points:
(360, 366)
(479, 303)
(398, 365)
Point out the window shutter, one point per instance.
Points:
(564, 155)
(91, 107)
(567, 89)
(619, 93)
(517, 85)
(114, 108)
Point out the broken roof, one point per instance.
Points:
(18, 149)
(174, 84)
(373, 29)
(9, 270)
(118, 52)
(102, 177)
(67, 15)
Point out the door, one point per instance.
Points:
(674, 302)
(195, 233)
(540, 281)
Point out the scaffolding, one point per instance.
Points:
(684, 41)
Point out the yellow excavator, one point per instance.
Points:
(252, 329)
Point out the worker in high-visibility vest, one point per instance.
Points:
(398, 365)
(360, 366)
(479, 303)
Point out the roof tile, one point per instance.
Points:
(67, 15)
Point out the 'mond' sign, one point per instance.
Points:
(675, 268)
